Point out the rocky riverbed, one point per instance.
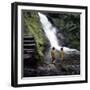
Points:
(70, 66)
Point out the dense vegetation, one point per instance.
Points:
(33, 27)
(69, 25)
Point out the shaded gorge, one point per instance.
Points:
(47, 30)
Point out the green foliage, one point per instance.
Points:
(69, 25)
(31, 20)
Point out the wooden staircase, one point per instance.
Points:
(29, 51)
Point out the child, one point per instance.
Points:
(53, 55)
(62, 54)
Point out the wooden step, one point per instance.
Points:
(28, 38)
(27, 56)
(29, 52)
(29, 49)
(29, 41)
(29, 44)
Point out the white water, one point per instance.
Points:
(50, 32)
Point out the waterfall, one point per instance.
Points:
(50, 32)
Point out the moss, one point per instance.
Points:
(33, 25)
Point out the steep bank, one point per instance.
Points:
(32, 27)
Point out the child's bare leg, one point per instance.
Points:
(53, 61)
(62, 60)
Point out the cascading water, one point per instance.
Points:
(50, 32)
